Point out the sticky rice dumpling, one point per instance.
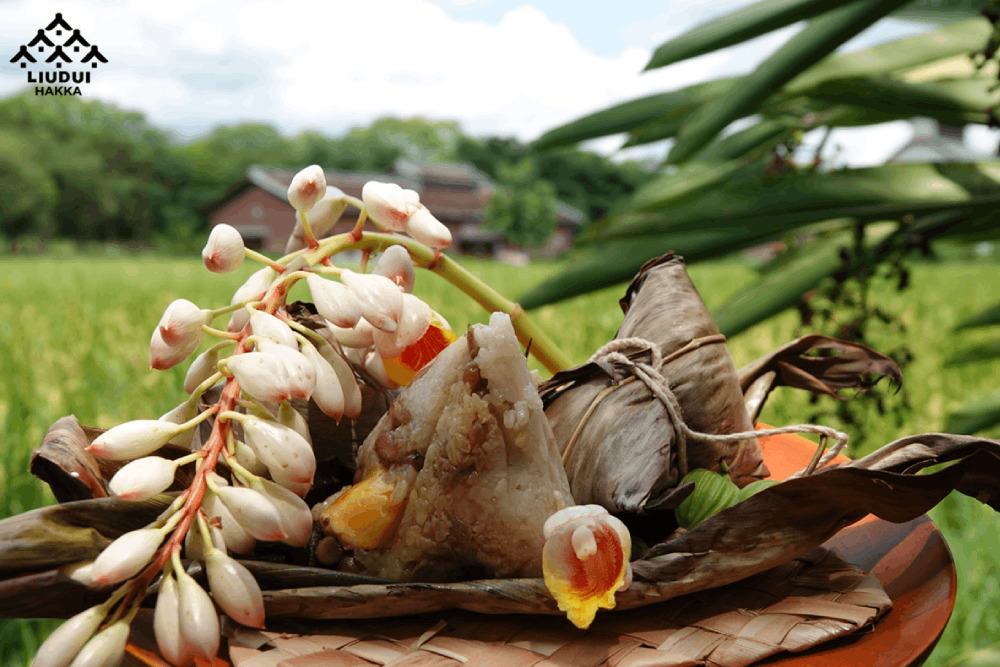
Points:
(458, 478)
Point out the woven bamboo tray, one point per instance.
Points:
(839, 594)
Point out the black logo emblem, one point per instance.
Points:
(61, 46)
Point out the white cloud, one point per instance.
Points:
(332, 64)
(329, 65)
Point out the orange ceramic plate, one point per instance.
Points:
(910, 559)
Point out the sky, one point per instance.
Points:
(502, 67)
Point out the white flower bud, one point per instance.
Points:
(347, 380)
(166, 622)
(380, 299)
(133, 439)
(322, 217)
(334, 301)
(307, 188)
(162, 355)
(296, 517)
(412, 326)
(255, 513)
(301, 372)
(126, 556)
(107, 647)
(199, 622)
(234, 589)
(67, 640)
(182, 413)
(143, 478)
(361, 335)
(328, 394)
(194, 546)
(293, 419)
(248, 458)
(224, 251)
(260, 375)
(182, 321)
(203, 366)
(268, 326)
(396, 265)
(427, 229)
(236, 539)
(389, 205)
(254, 287)
(286, 454)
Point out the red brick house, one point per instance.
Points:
(455, 193)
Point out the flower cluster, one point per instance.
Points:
(253, 470)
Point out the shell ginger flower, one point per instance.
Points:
(403, 367)
(585, 561)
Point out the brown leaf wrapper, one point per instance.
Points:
(816, 363)
(778, 524)
(625, 456)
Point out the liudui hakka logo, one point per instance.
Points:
(61, 45)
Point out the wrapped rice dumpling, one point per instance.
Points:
(458, 478)
(620, 447)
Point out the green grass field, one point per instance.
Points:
(74, 336)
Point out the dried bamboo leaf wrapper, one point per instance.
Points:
(620, 444)
(805, 602)
(823, 365)
(663, 306)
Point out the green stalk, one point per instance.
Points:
(542, 347)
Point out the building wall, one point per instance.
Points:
(254, 208)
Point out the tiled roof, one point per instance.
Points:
(453, 192)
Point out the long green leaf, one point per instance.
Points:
(757, 19)
(782, 287)
(975, 416)
(786, 202)
(899, 55)
(690, 179)
(618, 261)
(956, 101)
(975, 354)
(817, 40)
(778, 290)
(627, 115)
(984, 318)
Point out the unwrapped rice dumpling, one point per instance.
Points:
(458, 478)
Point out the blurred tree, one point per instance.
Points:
(27, 191)
(523, 206)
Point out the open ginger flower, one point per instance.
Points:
(585, 561)
(404, 366)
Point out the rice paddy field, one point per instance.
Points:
(74, 337)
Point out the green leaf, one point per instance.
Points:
(757, 19)
(955, 101)
(618, 261)
(983, 318)
(938, 12)
(778, 290)
(901, 54)
(975, 354)
(783, 203)
(975, 416)
(818, 39)
(627, 115)
(690, 179)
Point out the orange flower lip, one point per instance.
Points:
(585, 561)
(402, 368)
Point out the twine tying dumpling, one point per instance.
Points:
(650, 375)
